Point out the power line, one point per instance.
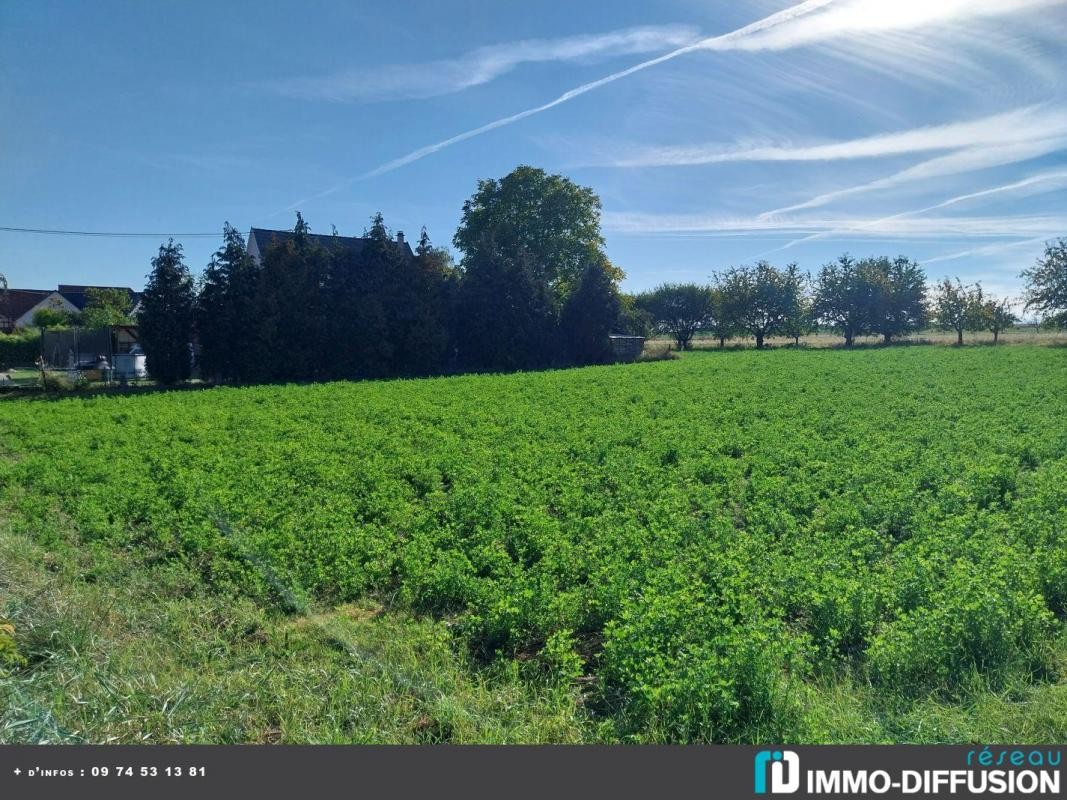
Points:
(112, 234)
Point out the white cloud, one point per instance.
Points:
(774, 19)
(839, 227)
(859, 17)
(434, 78)
(1005, 128)
(781, 18)
(806, 23)
(839, 18)
(966, 160)
(1034, 184)
(986, 250)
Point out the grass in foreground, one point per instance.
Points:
(809, 546)
(124, 652)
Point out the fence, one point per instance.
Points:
(71, 355)
(77, 348)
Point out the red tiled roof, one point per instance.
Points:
(16, 302)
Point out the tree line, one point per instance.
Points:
(533, 289)
(876, 296)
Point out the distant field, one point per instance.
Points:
(802, 545)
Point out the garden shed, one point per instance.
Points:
(626, 348)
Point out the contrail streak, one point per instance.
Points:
(1033, 180)
(993, 248)
(710, 43)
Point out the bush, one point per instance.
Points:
(985, 618)
(693, 669)
(60, 382)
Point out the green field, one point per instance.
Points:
(799, 545)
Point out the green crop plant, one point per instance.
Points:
(734, 546)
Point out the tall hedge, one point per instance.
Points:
(19, 349)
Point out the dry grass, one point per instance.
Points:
(1017, 336)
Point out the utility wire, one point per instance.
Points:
(113, 234)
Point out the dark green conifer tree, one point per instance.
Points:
(589, 315)
(166, 318)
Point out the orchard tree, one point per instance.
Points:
(959, 308)
(997, 315)
(723, 326)
(1046, 284)
(546, 221)
(801, 323)
(898, 296)
(762, 300)
(166, 318)
(679, 310)
(589, 315)
(843, 298)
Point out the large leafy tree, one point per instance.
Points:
(106, 307)
(959, 308)
(505, 318)
(547, 221)
(633, 320)
(762, 300)
(898, 296)
(1046, 284)
(166, 317)
(589, 316)
(679, 310)
(842, 299)
(225, 310)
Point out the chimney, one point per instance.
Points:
(399, 237)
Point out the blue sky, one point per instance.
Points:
(715, 132)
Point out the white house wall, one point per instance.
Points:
(253, 248)
(54, 300)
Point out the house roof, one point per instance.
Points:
(353, 244)
(78, 297)
(16, 302)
